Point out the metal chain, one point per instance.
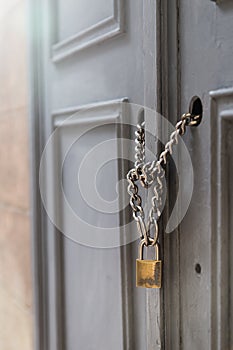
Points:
(135, 200)
(149, 173)
(140, 145)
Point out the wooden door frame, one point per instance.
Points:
(171, 109)
(39, 42)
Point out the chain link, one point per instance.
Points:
(140, 145)
(135, 198)
(149, 173)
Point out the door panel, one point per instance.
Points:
(81, 16)
(221, 126)
(97, 22)
(196, 61)
(86, 295)
(93, 303)
(205, 65)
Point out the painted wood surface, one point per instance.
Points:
(205, 48)
(178, 49)
(86, 297)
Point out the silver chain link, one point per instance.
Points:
(149, 173)
(140, 145)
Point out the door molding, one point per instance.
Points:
(221, 126)
(99, 32)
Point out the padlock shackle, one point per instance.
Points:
(141, 245)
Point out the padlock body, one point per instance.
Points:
(148, 273)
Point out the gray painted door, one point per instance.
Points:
(157, 54)
(93, 54)
(198, 262)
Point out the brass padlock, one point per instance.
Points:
(148, 272)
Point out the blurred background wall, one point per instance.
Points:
(15, 260)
